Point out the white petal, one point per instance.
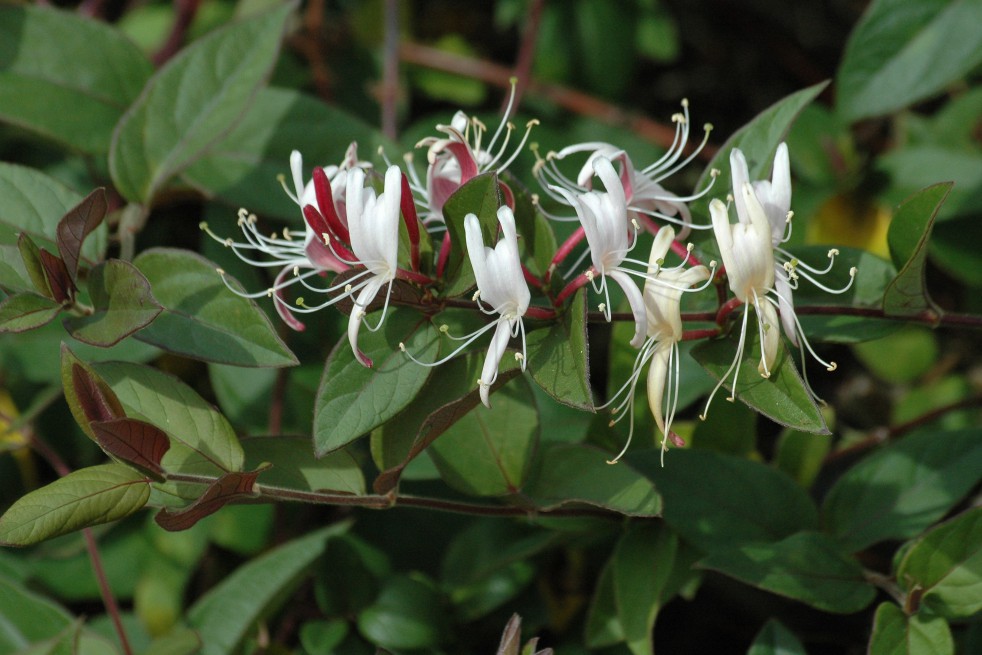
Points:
(739, 176)
(772, 336)
(657, 376)
(499, 342)
(636, 301)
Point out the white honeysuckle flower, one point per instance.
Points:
(300, 255)
(603, 216)
(663, 291)
(500, 285)
(643, 190)
(460, 155)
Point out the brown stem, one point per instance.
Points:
(186, 10)
(526, 51)
(389, 91)
(275, 423)
(576, 101)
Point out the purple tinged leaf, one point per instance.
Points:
(77, 224)
(229, 487)
(137, 443)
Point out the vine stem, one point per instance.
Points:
(95, 558)
(389, 91)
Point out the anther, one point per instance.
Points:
(220, 271)
(347, 288)
(444, 328)
(402, 346)
(831, 367)
(202, 225)
(228, 242)
(602, 307)
(296, 271)
(833, 252)
(714, 173)
(853, 271)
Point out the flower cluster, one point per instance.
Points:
(353, 217)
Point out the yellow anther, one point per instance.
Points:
(220, 271)
(228, 242)
(444, 328)
(402, 346)
(833, 252)
(203, 225)
(853, 271)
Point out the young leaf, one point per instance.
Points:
(488, 451)
(910, 230)
(122, 301)
(80, 221)
(202, 318)
(352, 399)
(136, 443)
(576, 474)
(202, 441)
(895, 633)
(945, 566)
(480, 196)
(903, 488)
(88, 396)
(192, 103)
(229, 487)
(902, 52)
(87, 497)
(557, 357)
(59, 281)
(807, 566)
(26, 311)
(226, 615)
(775, 639)
(86, 71)
(718, 501)
(782, 397)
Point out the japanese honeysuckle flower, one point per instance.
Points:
(643, 190)
(300, 256)
(663, 291)
(774, 197)
(603, 217)
(501, 285)
(460, 155)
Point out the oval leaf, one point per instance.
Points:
(138, 444)
(775, 639)
(295, 467)
(26, 311)
(222, 491)
(557, 357)
(895, 633)
(202, 318)
(480, 196)
(80, 221)
(90, 496)
(122, 302)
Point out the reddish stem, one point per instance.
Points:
(693, 335)
(726, 310)
(441, 261)
(572, 287)
(186, 10)
(563, 251)
(531, 279)
(540, 313)
(413, 276)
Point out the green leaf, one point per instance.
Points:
(192, 103)
(945, 566)
(86, 72)
(807, 566)
(603, 625)
(538, 243)
(27, 618)
(718, 501)
(488, 451)
(295, 467)
(202, 318)
(13, 273)
(90, 496)
(27, 311)
(783, 397)
(408, 614)
(908, 237)
(122, 302)
(242, 168)
(641, 565)
(903, 488)
(800, 455)
(202, 441)
(225, 616)
(902, 52)
(557, 357)
(575, 474)
(775, 639)
(33, 203)
(353, 399)
(480, 196)
(894, 633)
(758, 140)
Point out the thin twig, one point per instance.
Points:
(389, 92)
(526, 51)
(184, 15)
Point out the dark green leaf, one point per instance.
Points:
(783, 397)
(807, 566)
(480, 196)
(408, 614)
(28, 618)
(895, 633)
(33, 203)
(775, 639)
(202, 318)
(295, 467)
(641, 565)
(575, 474)
(905, 487)
(800, 455)
(353, 399)
(538, 243)
(557, 357)
(192, 103)
(910, 230)
(202, 441)
(945, 565)
(90, 496)
(902, 52)
(122, 303)
(67, 77)
(30, 256)
(26, 311)
(227, 613)
(242, 168)
(718, 501)
(14, 275)
(603, 625)
(488, 451)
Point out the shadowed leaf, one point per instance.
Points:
(59, 281)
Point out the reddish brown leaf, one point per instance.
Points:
(77, 224)
(229, 487)
(139, 444)
(96, 399)
(59, 281)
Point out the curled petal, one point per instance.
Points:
(365, 297)
(784, 299)
(767, 315)
(499, 342)
(657, 377)
(636, 301)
